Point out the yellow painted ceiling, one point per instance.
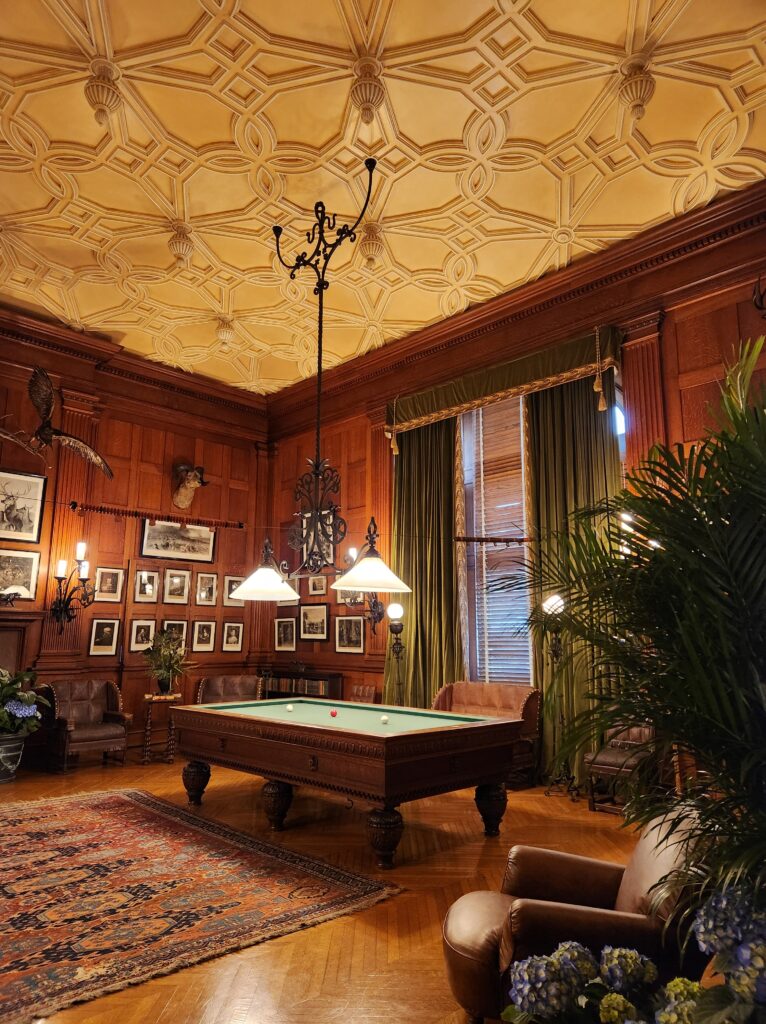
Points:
(504, 152)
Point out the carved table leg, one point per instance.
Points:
(277, 797)
(196, 775)
(491, 800)
(170, 749)
(384, 830)
(147, 751)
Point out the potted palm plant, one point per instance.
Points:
(166, 658)
(662, 613)
(19, 716)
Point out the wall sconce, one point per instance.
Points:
(375, 611)
(395, 627)
(71, 595)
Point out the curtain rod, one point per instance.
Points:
(163, 517)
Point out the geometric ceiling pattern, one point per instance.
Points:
(504, 142)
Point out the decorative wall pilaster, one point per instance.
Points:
(80, 412)
(261, 643)
(646, 423)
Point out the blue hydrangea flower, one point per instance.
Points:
(15, 707)
(748, 978)
(537, 987)
(676, 1012)
(625, 970)
(720, 923)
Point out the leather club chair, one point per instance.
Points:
(549, 897)
(623, 750)
(222, 689)
(505, 700)
(85, 715)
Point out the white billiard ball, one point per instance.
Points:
(384, 719)
(289, 707)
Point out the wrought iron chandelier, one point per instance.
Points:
(319, 527)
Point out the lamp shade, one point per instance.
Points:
(370, 573)
(265, 584)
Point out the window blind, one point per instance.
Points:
(494, 478)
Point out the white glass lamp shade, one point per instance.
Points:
(370, 573)
(395, 611)
(265, 584)
(553, 605)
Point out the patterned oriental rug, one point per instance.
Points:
(105, 890)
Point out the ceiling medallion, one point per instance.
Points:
(224, 332)
(179, 243)
(636, 89)
(371, 245)
(101, 90)
(367, 92)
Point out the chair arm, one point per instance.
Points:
(118, 716)
(64, 724)
(536, 927)
(537, 874)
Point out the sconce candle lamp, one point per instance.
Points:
(72, 594)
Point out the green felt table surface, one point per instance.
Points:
(351, 716)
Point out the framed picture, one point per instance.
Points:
(232, 636)
(349, 634)
(351, 597)
(231, 583)
(176, 628)
(18, 573)
(284, 634)
(141, 634)
(22, 502)
(108, 584)
(203, 636)
(206, 589)
(317, 586)
(103, 636)
(313, 621)
(147, 586)
(176, 588)
(177, 540)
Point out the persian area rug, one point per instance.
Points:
(109, 889)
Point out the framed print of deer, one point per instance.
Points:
(22, 502)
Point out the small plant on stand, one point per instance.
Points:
(166, 658)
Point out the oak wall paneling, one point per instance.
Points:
(142, 423)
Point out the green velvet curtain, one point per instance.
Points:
(573, 461)
(423, 555)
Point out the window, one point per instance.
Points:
(494, 506)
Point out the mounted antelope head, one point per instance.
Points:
(186, 480)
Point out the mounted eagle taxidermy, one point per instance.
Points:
(186, 480)
(43, 399)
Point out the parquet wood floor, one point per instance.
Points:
(383, 964)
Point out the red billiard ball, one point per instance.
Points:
(333, 713)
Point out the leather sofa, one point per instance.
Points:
(84, 715)
(548, 897)
(222, 689)
(503, 700)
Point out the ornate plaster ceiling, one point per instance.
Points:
(505, 141)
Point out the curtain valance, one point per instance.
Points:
(559, 364)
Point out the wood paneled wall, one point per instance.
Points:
(681, 292)
(142, 423)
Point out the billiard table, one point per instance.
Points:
(381, 755)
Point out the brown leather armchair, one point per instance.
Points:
(504, 700)
(623, 750)
(221, 689)
(85, 715)
(549, 897)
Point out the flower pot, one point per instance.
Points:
(164, 685)
(11, 748)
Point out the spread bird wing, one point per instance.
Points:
(41, 392)
(84, 451)
(6, 435)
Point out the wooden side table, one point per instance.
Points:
(150, 699)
